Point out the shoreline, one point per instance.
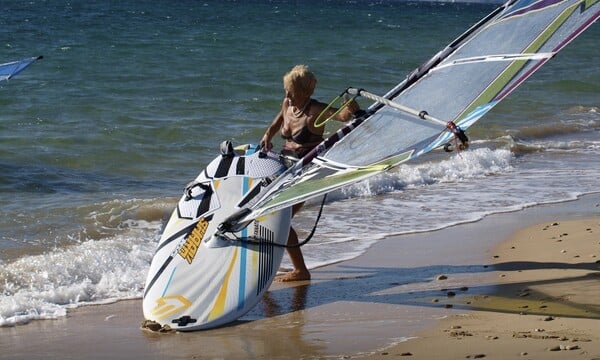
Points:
(544, 303)
(376, 304)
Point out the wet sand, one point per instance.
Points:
(515, 285)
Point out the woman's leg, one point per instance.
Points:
(300, 271)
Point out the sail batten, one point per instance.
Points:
(498, 57)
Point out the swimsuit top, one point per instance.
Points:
(303, 137)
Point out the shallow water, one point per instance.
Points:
(98, 139)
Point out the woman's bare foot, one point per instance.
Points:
(296, 275)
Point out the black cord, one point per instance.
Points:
(257, 240)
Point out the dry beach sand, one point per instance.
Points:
(546, 303)
(521, 285)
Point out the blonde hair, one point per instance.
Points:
(301, 79)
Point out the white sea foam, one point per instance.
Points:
(441, 192)
(85, 139)
(44, 286)
(462, 188)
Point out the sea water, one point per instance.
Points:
(132, 99)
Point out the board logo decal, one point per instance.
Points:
(169, 305)
(192, 243)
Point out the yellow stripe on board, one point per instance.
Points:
(169, 305)
(219, 305)
(254, 262)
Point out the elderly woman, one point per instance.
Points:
(296, 123)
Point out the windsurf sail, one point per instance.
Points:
(434, 104)
(11, 69)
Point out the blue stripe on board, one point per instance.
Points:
(169, 282)
(243, 256)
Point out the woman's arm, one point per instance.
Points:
(348, 111)
(265, 142)
(344, 115)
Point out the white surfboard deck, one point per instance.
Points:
(199, 281)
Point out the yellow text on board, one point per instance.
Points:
(190, 247)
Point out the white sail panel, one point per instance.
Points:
(460, 84)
